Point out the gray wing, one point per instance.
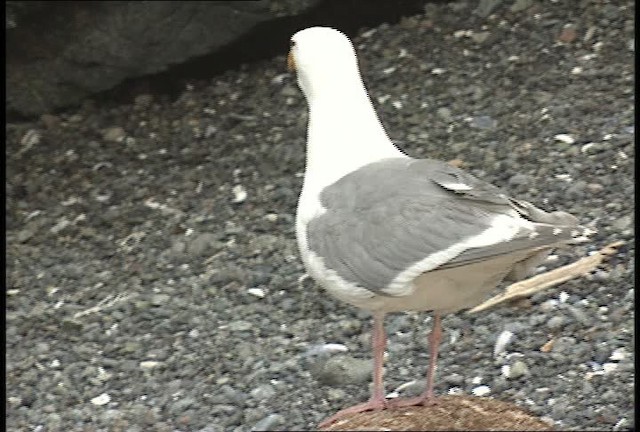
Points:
(391, 214)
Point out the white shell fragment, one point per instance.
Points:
(482, 390)
(101, 400)
(258, 292)
(565, 138)
(501, 343)
(563, 297)
(150, 364)
(330, 348)
(618, 354)
(239, 193)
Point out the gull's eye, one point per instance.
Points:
(292, 43)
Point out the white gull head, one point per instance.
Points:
(344, 132)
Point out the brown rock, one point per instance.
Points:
(458, 163)
(452, 413)
(568, 34)
(50, 121)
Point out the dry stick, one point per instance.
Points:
(551, 278)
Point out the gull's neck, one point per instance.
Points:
(344, 133)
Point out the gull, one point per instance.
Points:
(386, 232)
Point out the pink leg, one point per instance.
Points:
(427, 397)
(377, 400)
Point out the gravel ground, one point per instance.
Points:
(153, 280)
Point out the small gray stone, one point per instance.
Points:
(268, 423)
(485, 7)
(444, 113)
(623, 223)
(113, 134)
(587, 387)
(556, 322)
(182, 405)
(341, 370)
(480, 37)
(143, 101)
(336, 394)
(111, 415)
(289, 91)
(518, 369)
(24, 235)
(577, 189)
(203, 244)
(253, 415)
(160, 299)
(240, 325)
(536, 319)
(579, 315)
(563, 344)
(483, 122)
(520, 5)
(559, 409)
(519, 180)
(454, 379)
(265, 391)
(71, 326)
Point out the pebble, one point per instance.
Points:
(568, 34)
(143, 101)
(520, 5)
(330, 348)
(482, 390)
(445, 114)
(454, 379)
(549, 305)
(480, 37)
(556, 322)
(518, 369)
(50, 121)
(101, 399)
(257, 292)
(25, 234)
(579, 315)
(483, 122)
(576, 190)
(564, 344)
(336, 394)
(519, 180)
(160, 299)
(113, 134)
(619, 354)
(623, 223)
(485, 7)
(150, 364)
(501, 342)
(264, 391)
(240, 325)
(268, 423)
(342, 369)
(595, 188)
(203, 244)
(565, 138)
(239, 194)
(289, 91)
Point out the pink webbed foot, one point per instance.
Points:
(376, 404)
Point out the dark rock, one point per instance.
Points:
(60, 52)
